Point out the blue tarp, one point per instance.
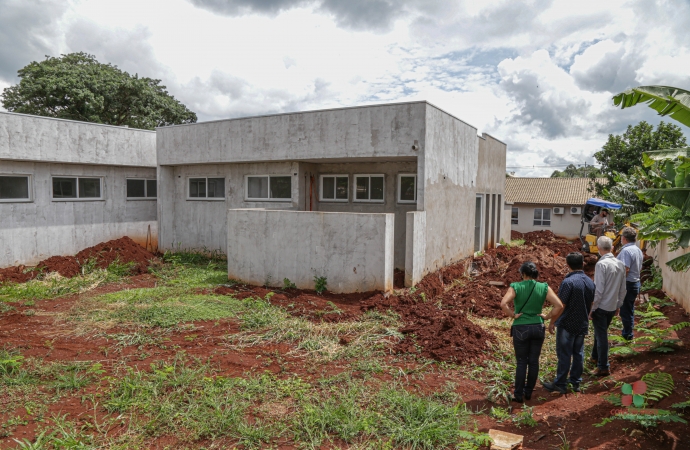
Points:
(603, 203)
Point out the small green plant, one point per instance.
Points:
(524, 417)
(89, 266)
(655, 281)
(655, 339)
(565, 442)
(320, 284)
(120, 269)
(500, 414)
(10, 362)
(287, 284)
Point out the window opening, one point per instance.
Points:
(334, 188)
(542, 217)
(14, 188)
(268, 188)
(407, 188)
(369, 188)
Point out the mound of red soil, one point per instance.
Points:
(124, 250)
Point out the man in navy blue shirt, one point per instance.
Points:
(577, 293)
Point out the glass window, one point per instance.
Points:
(141, 188)
(542, 217)
(281, 187)
(268, 187)
(136, 188)
(14, 187)
(207, 188)
(151, 188)
(514, 215)
(369, 188)
(89, 188)
(407, 188)
(64, 187)
(334, 188)
(216, 187)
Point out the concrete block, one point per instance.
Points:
(354, 251)
(505, 441)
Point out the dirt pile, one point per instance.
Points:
(123, 250)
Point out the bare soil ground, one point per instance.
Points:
(446, 344)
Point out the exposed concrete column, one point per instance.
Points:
(415, 248)
(166, 207)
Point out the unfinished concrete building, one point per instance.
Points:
(67, 185)
(347, 194)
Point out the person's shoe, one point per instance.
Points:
(601, 372)
(528, 396)
(593, 360)
(515, 399)
(575, 387)
(551, 387)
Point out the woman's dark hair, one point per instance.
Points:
(530, 269)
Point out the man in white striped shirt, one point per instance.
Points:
(609, 293)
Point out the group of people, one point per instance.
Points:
(613, 292)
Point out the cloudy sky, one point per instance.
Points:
(536, 74)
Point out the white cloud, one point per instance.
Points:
(537, 74)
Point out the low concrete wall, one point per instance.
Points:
(354, 251)
(676, 284)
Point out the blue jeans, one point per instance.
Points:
(570, 349)
(527, 342)
(627, 313)
(601, 320)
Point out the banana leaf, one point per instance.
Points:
(660, 155)
(666, 100)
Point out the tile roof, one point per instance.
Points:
(549, 191)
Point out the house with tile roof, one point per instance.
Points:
(553, 204)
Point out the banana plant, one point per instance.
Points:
(666, 100)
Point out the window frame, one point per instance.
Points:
(31, 188)
(400, 175)
(207, 198)
(542, 220)
(335, 177)
(268, 199)
(516, 210)
(78, 198)
(368, 175)
(146, 189)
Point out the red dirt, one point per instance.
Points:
(124, 250)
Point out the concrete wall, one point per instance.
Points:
(42, 139)
(199, 224)
(35, 230)
(491, 183)
(415, 247)
(390, 170)
(353, 251)
(362, 132)
(566, 225)
(676, 284)
(448, 168)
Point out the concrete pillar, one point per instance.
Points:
(415, 247)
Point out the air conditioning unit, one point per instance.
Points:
(558, 210)
(575, 210)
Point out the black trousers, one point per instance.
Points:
(527, 342)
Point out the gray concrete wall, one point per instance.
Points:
(415, 247)
(676, 284)
(566, 225)
(42, 139)
(449, 171)
(35, 230)
(202, 224)
(491, 182)
(354, 251)
(390, 170)
(362, 132)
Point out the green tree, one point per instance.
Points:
(78, 87)
(577, 172)
(622, 153)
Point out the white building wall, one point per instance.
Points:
(35, 230)
(566, 225)
(676, 284)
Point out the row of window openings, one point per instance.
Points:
(17, 188)
(542, 217)
(333, 188)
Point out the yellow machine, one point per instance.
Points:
(591, 208)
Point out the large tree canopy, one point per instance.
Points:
(78, 87)
(576, 172)
(622, 153)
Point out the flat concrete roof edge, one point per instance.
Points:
(316, 111)
(79, 163)
(76, 121)
(495, 139)
(310, 212)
